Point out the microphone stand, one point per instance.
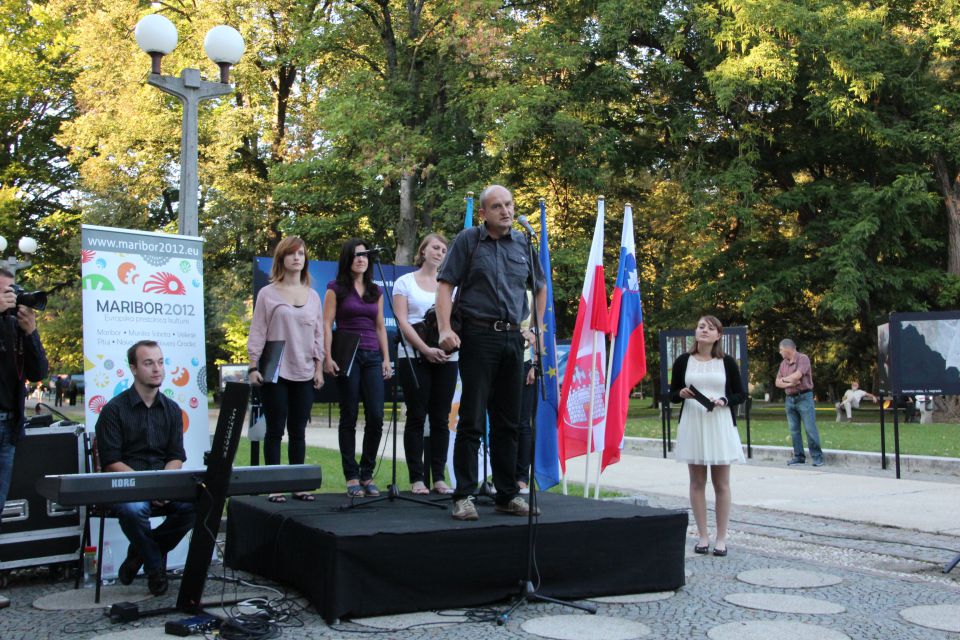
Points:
(393, 490)
(529, 592)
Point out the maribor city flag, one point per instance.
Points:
(586, 363)
(628, 355)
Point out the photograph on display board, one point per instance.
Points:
(925, 353)
(675, 342)
(883, 358)
(232, 373)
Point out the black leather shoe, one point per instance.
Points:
(129, 567)
(157, 583)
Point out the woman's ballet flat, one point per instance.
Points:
(419, 489)
(442, 488)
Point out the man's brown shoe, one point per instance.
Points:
(463, 509)
(516, 507)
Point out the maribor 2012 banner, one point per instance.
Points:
(145, 286)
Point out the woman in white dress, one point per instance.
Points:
(707, 434)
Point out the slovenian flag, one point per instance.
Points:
(628, 355)
(546, 456)
(582, 406)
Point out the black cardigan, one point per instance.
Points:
(733, 388)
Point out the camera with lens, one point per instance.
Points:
(33, 299)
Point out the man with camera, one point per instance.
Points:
(21, 358)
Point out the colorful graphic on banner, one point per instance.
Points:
(145, 286)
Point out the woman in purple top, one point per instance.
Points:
(356, 303)
(288, 309)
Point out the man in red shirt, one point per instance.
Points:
(795, 377)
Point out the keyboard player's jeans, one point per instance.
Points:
(151, 545)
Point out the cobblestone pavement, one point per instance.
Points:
(882, 570)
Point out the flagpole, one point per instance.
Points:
(590, 440)
(596, 486)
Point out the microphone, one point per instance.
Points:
(526, 225)
(372, 251)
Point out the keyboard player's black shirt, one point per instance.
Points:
(145, 438)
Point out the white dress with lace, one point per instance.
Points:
(707, 437)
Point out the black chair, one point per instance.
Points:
(99, 511)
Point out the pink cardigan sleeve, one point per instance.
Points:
(258, 326)
(318, 333)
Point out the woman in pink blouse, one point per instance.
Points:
(288, 309)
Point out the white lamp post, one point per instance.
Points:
(157, 36)
(28, 246)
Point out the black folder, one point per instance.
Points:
(269, 363)
(343, 350)
(702, 399)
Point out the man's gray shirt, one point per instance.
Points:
(496, 284)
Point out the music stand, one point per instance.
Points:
(528, 592)
(393, 490)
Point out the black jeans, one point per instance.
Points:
(525, 433)
(364, 382)
(286, 404)
(491, 370)
(432, 399)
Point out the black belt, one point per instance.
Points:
(799, 393)
(493, 325)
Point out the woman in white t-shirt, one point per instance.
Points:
(436, 370)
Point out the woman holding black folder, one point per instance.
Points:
(287, 320)
(708, 384)
(414, 294)
(355, 302)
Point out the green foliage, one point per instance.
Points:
(793, 165)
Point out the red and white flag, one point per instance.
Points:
(583, 407)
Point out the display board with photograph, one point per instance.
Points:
(232, 373)
(924, 353)
(674, 342)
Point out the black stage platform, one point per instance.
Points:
(398, 557)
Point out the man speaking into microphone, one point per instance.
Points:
(490, 266)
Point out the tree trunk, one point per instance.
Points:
(946, 409)
(949, 184)
(407, 228)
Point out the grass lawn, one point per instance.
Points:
(768, 426)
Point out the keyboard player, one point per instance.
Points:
(142, 430)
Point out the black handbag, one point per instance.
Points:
(428, 330)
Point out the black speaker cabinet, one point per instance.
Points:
(34, 530)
